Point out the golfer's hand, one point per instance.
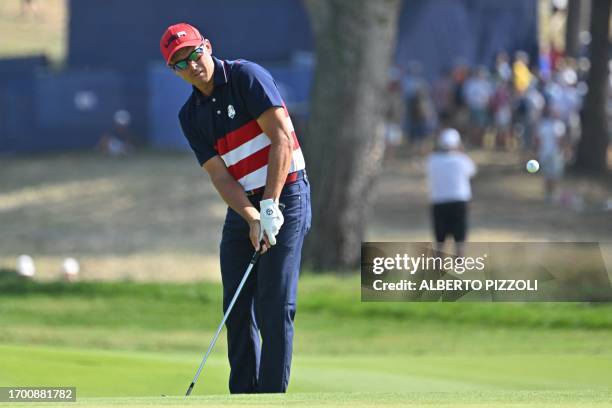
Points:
(255, 237)
(271, 219)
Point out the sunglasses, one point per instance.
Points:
(193, 56)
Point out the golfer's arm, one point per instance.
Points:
(229, 189)
(274, 123)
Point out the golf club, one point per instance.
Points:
(254, 259)
(252, 263)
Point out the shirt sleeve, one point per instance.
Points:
(258, 89)
(203, 151)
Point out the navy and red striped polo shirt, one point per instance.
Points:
(225, 123)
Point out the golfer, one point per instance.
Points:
(240, 131)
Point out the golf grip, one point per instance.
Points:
(253, 261)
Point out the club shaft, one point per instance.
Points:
(227, 312)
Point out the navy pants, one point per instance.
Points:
(266, 307)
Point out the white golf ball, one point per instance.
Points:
(532, 166)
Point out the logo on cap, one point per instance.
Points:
(175, 37)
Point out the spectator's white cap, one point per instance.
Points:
(450, 139)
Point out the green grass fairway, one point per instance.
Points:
(454, 380)
(105, 373)
(128, 343)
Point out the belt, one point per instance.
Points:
(291, 178)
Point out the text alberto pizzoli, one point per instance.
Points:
(459, 265)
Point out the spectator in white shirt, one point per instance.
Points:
(449, 172)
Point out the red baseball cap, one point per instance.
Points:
(179, 36)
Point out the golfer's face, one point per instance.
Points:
(196, 63)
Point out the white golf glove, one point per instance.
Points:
(271, 219)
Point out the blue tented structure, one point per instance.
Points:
(438, 33)
(114, 63)
(168, 94)
(74, 108)
(125, 34)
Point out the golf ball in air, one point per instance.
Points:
(533, 166)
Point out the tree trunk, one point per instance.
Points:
(344, 144)
(572, 28)
(593, 146)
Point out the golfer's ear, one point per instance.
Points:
(207, 46)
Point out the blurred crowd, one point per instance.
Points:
(502, 106)
(515, 104)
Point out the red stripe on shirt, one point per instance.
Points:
(249, 164)
(238, 137)
(255, 161)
